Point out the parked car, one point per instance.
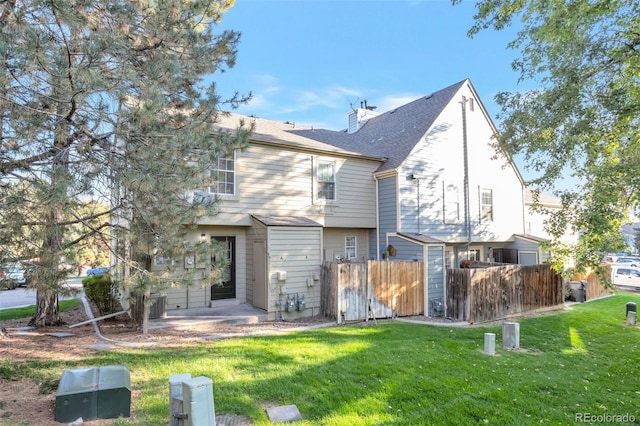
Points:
(625, 275)
(629, 260)
(98, 271)
(12, 276)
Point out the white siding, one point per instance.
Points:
(439, 159)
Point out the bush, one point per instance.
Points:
(102, 292)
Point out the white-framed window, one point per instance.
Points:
(486, 205)
(449, 258)
(223, 175)
(350, 247)
(451, 196)
(326, 180)
(473, 253)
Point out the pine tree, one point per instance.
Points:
(110, 101)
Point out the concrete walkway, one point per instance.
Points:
(231, 314)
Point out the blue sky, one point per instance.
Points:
(306, 61)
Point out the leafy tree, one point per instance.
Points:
(107, 100)
(582, 120)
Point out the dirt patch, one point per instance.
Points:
(22, 404)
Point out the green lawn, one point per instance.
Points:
(29, 311)
(583, 362)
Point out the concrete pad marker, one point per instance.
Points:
(632, 318)
(61, 334)
(511, 335)
(285, 413)
(489, 343)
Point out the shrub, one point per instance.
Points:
(103, 292)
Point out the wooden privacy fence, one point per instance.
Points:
(484, 294)
(376, 289)
(595, 287)
(384, 289)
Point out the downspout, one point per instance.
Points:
(524, 209)
(418, 205)
(467, 214)
(375, 178)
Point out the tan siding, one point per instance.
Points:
(258, 232)
(278, 182)
(190, 297)
(334, 242)
(297, 251)
(196, 296)
(356, 196)
(177, 298)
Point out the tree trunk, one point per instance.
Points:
(147, 311)
(46, 310)
(52, 248)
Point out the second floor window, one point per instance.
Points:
(223, 176)
(486, 205)
(326, 177)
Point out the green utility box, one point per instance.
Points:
(94, 393)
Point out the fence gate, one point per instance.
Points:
(352, 301)
(389, 289)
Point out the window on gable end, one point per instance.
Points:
(451, 196)
(486, 205)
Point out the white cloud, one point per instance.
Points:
(390, 102)
(257, 102)
(268, 82)
(323, 107)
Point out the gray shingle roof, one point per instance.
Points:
(286, 221)
(275, 132)
(393, 134)
(421, 238)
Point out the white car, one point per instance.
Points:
(626, 276)
(12, 277)
(629, 261)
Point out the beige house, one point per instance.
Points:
(287, 204)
